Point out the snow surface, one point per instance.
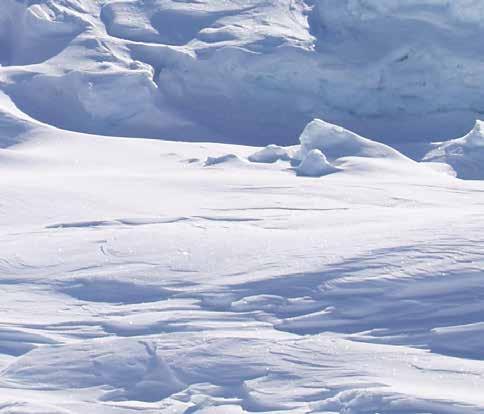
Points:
(155, 276)
(136, 278)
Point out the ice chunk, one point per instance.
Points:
(475, 138)
(336, 142)
(465, 155)
(270, 154)
(315, 165)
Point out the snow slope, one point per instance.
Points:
(136, 276)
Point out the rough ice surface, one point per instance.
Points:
(250, 72)
(168, 276)
(464, 155)
(337, 142)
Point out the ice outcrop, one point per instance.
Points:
(241, 72)
(315, 164)
(326, 148)
(335, 142)
(270, 154)
(465, 155)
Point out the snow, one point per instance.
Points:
(271, 154)
(227, 158)
(337, 142)
(249, 72)
(315, 164)
(465, 156)
(238, 287)
(204, 272)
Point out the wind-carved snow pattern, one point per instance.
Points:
(323, 273)
(252, 72)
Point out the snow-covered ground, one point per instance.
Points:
(333, 275)
(138, 277)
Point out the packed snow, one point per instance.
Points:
(302, 236)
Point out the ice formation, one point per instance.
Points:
(251, 72)
(315, 164)
(465, 155)
(270, 154)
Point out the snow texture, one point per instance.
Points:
(188, 274)
(249, 72)
(464, 155)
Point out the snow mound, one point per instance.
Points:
(337, 142)
(270, 154)
(315, 164)
(465, 155)
(224, 159)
